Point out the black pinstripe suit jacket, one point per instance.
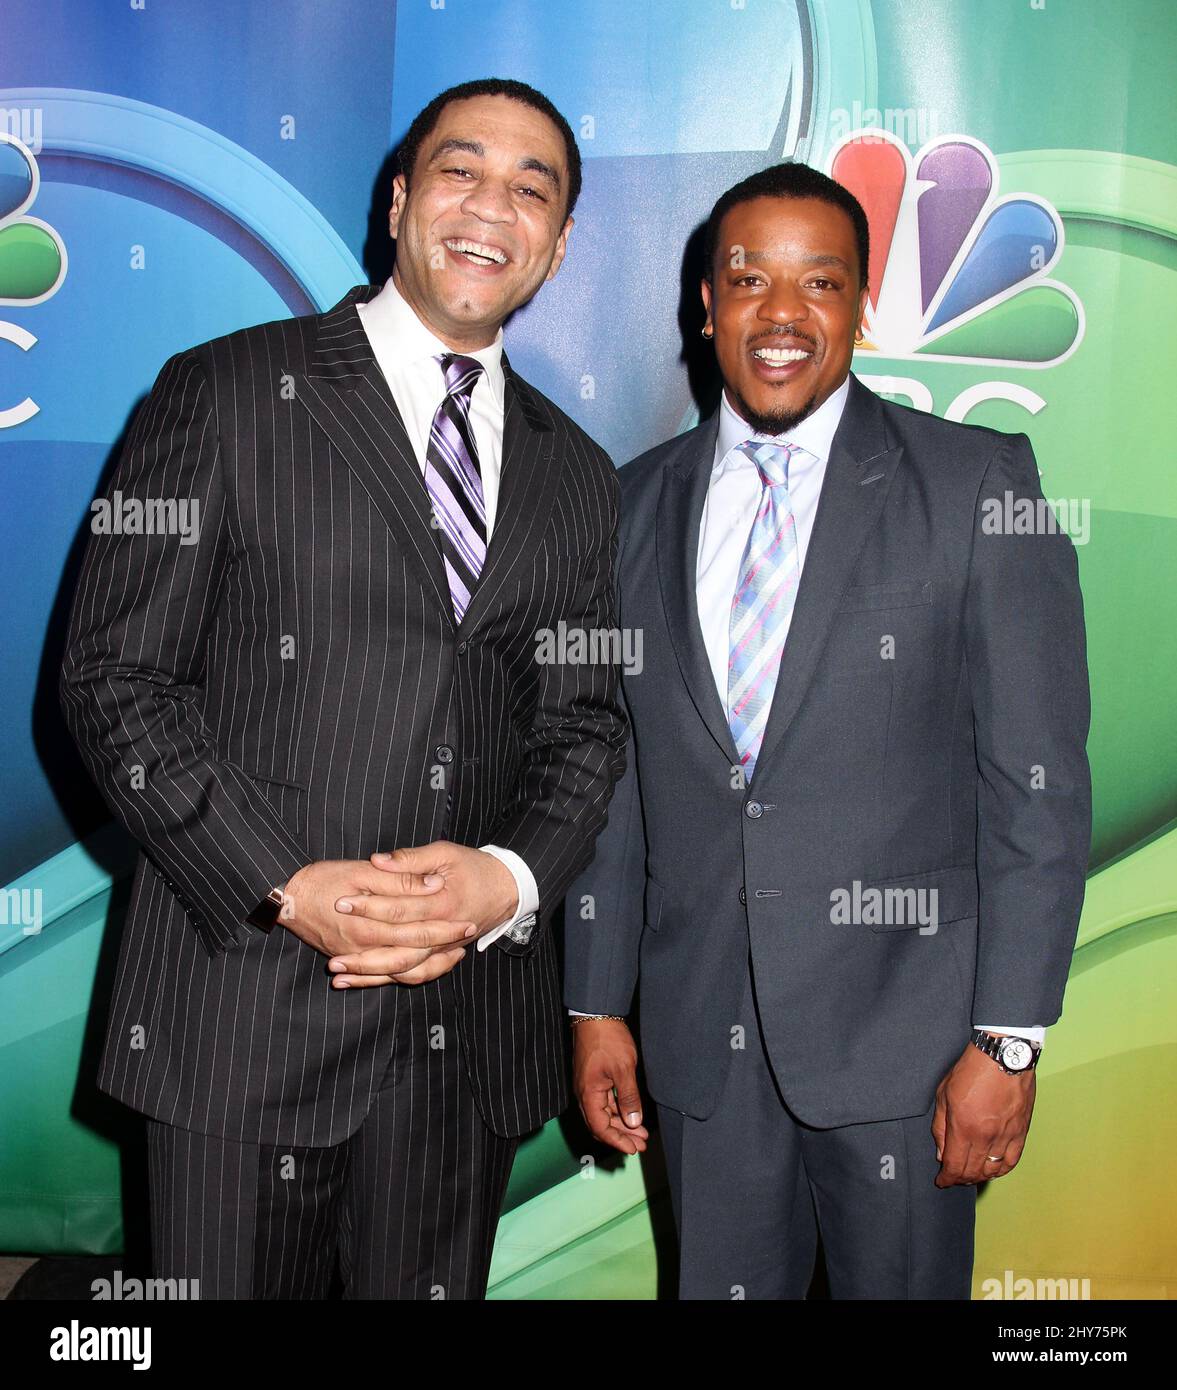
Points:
(292, 687)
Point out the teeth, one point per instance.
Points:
(781, 355)
(476, 248)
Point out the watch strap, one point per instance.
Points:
(265, 915)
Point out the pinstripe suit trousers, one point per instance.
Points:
(407, 1205)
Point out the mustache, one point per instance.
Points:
(779, 333)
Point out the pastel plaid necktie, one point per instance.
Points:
(763, 602)
(454, 481)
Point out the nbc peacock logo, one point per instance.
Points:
(32, 255)
(958, 272)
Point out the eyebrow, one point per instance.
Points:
(528, 163)
(453, 145)
(545, 171)
(757, 256)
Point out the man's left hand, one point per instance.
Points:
(982, 1114)
(477, 888)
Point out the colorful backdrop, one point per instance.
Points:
(174, 169)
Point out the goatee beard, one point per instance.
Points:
(776, 422)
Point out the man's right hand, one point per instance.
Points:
(604, 1076)
(426, 949)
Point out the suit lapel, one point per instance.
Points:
(528, 481)
(858, 477)
(680, 513)
(346, 393)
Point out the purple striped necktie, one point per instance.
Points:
(763, 602)
(454, 481)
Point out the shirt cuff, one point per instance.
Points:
(525, 886)
(1035, 1032)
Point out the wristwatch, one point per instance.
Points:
(1012, 1055)
(265, 915)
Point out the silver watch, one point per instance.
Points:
(1012, 1054)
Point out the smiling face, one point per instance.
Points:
(481, 225)
(784, 306)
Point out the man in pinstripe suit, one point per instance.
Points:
(344, 664)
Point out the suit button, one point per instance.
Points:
(744, 896)
(753, 810)
(443, 753)
(462, 648)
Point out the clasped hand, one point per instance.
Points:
(404, 917)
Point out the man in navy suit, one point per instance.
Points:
(846, 861)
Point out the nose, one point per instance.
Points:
(783, 305)
(490, 201)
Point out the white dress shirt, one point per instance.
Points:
(733, 498)
(406, 352)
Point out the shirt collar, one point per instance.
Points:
(400, 339)
(815, 433)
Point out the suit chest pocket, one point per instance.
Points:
(548, 585)
(865, 598)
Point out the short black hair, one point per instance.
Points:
(425, 122)
(788, 180)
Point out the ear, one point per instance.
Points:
(399, 194)
(705, 291)
(861, 310)
(560, 251)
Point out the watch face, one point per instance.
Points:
(1016, 1054)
